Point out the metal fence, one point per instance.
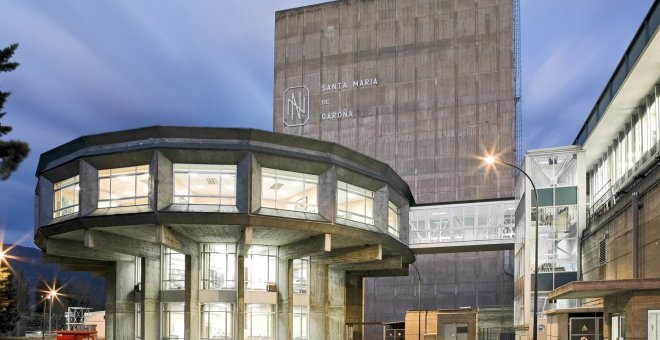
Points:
(497, 334)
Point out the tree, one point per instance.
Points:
(8, 315)
(12, 152)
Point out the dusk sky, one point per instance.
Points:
(96, 66)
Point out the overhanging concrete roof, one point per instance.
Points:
(599, 289)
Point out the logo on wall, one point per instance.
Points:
(296, 106)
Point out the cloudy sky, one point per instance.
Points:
(96, 66)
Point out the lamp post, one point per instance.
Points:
(490, 160)
(419, 297)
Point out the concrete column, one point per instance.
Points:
(151, 292)
(404, 224)
(284, 299)
(381, 204)
(124, 322)
(318, 298)
(255, 184)
(161, 181)
(89, 188)
(336, 305)
(328, 194)
(354, 303)
(44, 212)
(191, 311)
(240, 297)
(110, 295)
(243, 177)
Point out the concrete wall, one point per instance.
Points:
(444, 91)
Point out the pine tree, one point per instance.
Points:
(8, 314)
(12, 152)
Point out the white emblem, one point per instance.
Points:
(295, 106)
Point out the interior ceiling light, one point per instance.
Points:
(212, 180)
(276, 186)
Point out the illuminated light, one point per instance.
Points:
(123, 178)
(129, 193)
(200, 186)
(489, 160)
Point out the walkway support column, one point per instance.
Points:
(151, 291)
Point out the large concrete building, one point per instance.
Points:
(206, 233)
(427, 87)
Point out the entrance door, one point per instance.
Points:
(455, 331)
(654, 323)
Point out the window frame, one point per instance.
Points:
(220, 170)
(366, 194)
(137, 171)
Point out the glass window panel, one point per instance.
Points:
(218, 266)
(209, 184)
(124, 186)
(260, 267)
(174, 268)
(173, 321)
(289, 190)
(545, 197)
(565, 196)
(217, 321)
(259, 321)
(66, 196)
(393, 219)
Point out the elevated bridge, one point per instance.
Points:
(465, 227)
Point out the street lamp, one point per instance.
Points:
(419, 297)
(51, 295)
(490, 160)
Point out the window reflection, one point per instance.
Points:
(289, 190)
(205, 184)
(355, 203)
(65, 200)
(124, 186)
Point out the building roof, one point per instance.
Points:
(599, 289)
(635, 75)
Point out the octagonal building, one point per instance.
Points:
(223, 233)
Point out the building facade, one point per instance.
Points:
(428, 87)
(205, 233)
(616, 294)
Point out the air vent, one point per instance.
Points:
(602, 252)
(271, 287)
(211, 180)
(276, 186)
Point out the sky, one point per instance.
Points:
(95, 66)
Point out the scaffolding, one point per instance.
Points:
(75, 319)
(517, 82)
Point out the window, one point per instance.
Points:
(217, 321)
(300, 317)
(205, 184)
(260, 267)
(393, 219)
(173, 321)
(65, 200)
(301, 275)
(174, 270)
(219, 266)
(124, 186)
(138, 321)
(355, 203)
(259, 321)
(289, 190)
